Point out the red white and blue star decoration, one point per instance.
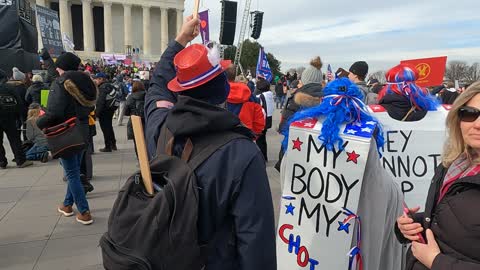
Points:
(359, 129)
(353, 157)
(355, 252)
(307, 123)
(290, 208)
(297, 144)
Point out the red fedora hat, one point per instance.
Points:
(194, 68)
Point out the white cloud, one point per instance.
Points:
(380, 32)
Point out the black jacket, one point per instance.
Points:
(131, 109)
(236, 213)
(21, 90)
(455, 222)
(103, 90)
(34, 93)
(279, 90)
(52, 73)
(7, 90)
(308, 96)
(71, 95)
(398, 107)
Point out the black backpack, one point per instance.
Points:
(160, 231)
(8, 103)
(112, 99)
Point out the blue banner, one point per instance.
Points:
(263, 68)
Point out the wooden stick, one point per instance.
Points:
(196, 8)
(142, 153)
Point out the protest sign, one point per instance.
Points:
(49, 25)
(44, 97)
(412, 151)
(320, 196)
(430, 70)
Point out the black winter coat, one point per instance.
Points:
(103, 90)
(71, 95)
(131, 109)
(235, 207)
(455, 222)
(21, 90)
(34, 93)
(398, 107)
(7, 90)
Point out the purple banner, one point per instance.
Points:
(204, 26)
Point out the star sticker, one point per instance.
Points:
(367, 129)
(371, 123)
(297, 144)
(358, 124)
(351, 131)
(290, 208)
(309, 125)
(343, 227)
(352, 156)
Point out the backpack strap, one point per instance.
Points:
(206, 145)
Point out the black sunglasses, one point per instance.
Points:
(468, 114)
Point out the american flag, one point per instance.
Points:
(330, 73)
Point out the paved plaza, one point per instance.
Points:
(34, 236)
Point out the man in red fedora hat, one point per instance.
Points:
(235, 211)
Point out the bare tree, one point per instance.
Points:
(456, 70)
(473, 73)
(378, 75)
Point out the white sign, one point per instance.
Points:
(412, 151)
(6, 2)
(320, 187)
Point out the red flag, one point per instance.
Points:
(430, 70)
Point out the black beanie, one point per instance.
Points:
(68, 62)
(214, 91)
(359, 68)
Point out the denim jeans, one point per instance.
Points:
(75, 193)
(36, 152)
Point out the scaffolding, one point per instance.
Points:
(241, 38)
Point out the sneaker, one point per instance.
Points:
(26, 163)
(87, 187)
(105, 150)
(44, 158)
(85, 218)
(66, 210)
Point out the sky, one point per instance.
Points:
(381, 32)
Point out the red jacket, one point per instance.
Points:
(241, 102)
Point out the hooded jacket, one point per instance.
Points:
(7, 90)
(398, 107)
(34, 93)
(236, 215)
(71, 95)
(133, 101)
(454, 222)
(241, 102)
(307, 96)
(21, 90)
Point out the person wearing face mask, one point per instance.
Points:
(235, 211)
(446, 234)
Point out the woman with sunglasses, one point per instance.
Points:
(447, 234)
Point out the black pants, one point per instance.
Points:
(106, 125)
(262, 144)
(86, 167)
(9, 126)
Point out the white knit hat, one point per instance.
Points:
(18, 75)
(313, 73)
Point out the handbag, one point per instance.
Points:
(65, 139)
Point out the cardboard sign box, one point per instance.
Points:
(320, 187)
(412, 151)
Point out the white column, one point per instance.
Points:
(40, 42)
(107, 20)
(164, 28)
(41, 3)
(65, 18)
(179, 19)
(147, 47)
(88, 34)
(127, 22)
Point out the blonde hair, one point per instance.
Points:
(33, 114)
(455, 145)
